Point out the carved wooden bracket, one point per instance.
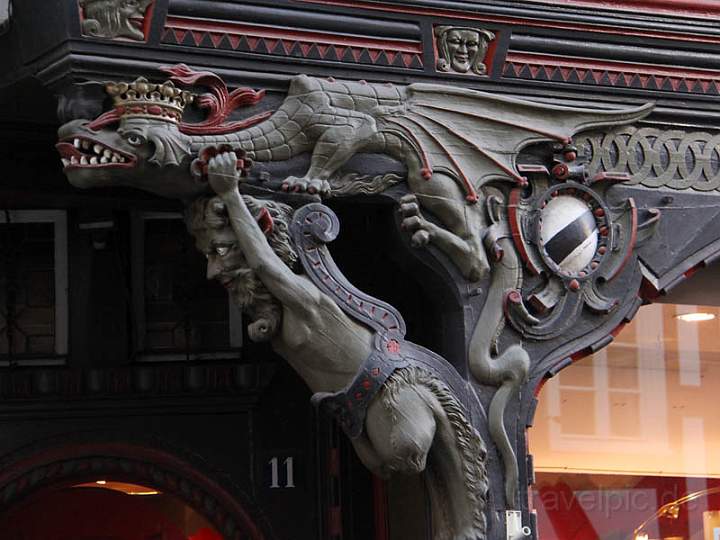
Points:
(549, 248)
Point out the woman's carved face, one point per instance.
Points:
(463, 47)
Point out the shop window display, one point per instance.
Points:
(626, 442)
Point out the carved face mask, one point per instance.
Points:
(463, 47)
(114, 18)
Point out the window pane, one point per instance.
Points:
(27, 289)
(183, 310)
(635, 427)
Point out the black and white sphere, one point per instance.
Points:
(568, 233)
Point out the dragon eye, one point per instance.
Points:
(135, 139)
(222, 250)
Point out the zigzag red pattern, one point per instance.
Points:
(537, 67)
(276, 41)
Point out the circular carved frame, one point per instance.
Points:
(31, 470)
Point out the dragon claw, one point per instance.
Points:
(413, 221)
(309, 185)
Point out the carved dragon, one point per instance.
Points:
(457, 145)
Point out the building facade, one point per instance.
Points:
(462, 200)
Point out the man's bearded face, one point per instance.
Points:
(227, 264)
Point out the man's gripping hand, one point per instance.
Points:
(222, 173)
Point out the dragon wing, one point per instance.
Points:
(477, 136)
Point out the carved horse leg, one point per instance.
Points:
(409, 430)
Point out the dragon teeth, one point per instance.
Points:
(76, 143)
(107, 153)
(104, 160)
(73, 160)
(83, 160)
(85, 144)
(97, 149)
(93, 160)
(115, 159)
(65, 162)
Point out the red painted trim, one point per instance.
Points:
(514, 219)
(147, 21)
(703, 9)
(272, 32)
(456, 14)
(576, 62)
(380, 509)
(492, 50)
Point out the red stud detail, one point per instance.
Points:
(594, 264)
(554, 194)
(599, 212)
(265, 221)
(155, 109)
(561, 171)
(426, 173)
(359, 395)
(604, 231)
(602, 250)
(366, 384)
(393, 346)
(570, 156)
(472, 198)
(375, 372)
(574, 285)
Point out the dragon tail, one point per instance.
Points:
(508, 370)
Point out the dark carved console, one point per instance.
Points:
(548, 175)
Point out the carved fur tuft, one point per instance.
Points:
(468, 441)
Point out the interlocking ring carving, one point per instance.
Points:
(654, 157)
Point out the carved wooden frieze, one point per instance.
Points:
(232, 33)
(462, 49)
(112, 19)
(540, 246)
(676, 159)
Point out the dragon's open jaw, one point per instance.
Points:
(85, 153)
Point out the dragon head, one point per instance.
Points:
(143, 142)
(136, 144)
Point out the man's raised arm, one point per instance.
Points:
(282, 283)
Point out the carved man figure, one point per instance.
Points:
(411, 416)
(462, 49)
(114, 18)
